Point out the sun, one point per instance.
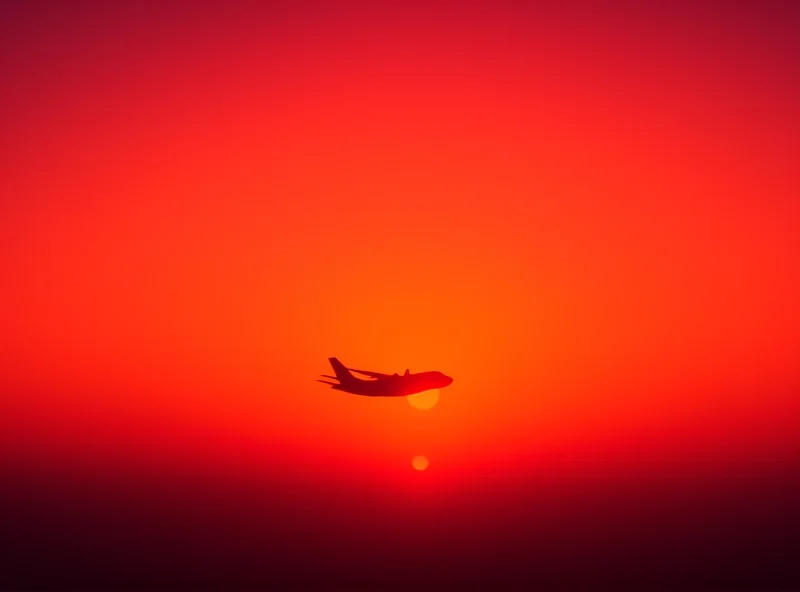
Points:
(424, 400)
(420, 463)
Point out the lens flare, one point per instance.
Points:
(420, 463)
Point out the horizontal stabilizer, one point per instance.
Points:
(327, 382)
(328, 376)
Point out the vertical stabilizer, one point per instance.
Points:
(342, 373)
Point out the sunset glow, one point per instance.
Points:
(589, 218)
(598, 246)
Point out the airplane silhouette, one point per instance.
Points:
(383, 385)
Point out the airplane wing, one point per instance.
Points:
(369, 373)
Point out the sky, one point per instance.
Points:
(587, 216)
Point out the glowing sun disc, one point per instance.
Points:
(424, 400)
(420, 463)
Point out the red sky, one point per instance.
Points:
(588, 217)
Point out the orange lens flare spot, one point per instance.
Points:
(424, 400)
(420, 463)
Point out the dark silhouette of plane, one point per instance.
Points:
(383, 385)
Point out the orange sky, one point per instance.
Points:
(589, 221)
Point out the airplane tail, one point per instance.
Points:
(342, 373)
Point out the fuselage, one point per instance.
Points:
(395, 385)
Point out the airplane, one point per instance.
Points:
(383, 385)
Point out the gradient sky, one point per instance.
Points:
(588, 217)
